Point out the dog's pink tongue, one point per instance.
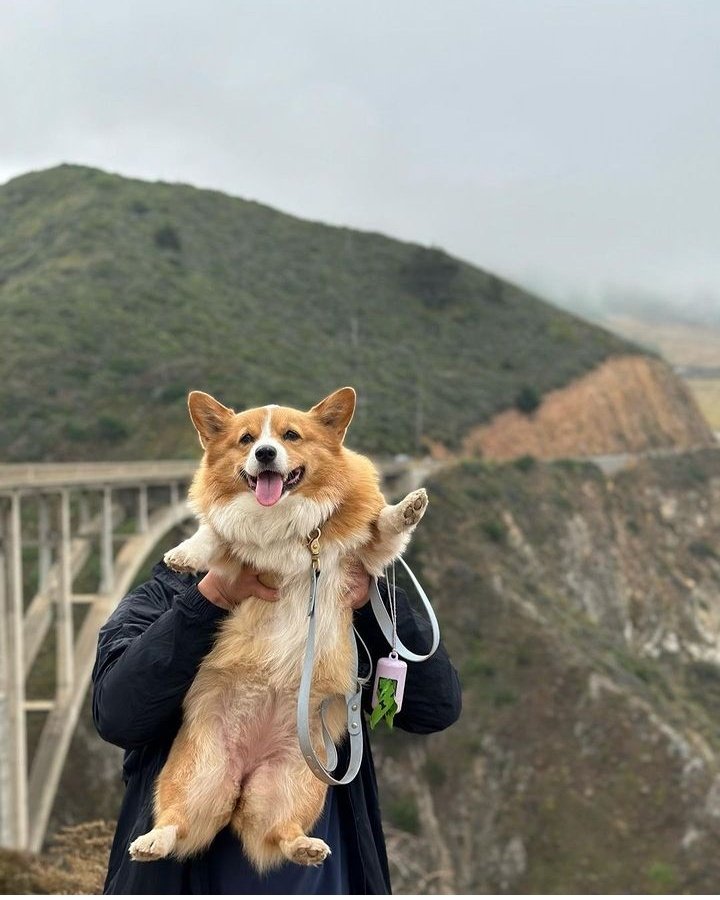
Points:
(269, 488)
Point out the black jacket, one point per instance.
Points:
(148, 653)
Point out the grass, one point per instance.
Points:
(118, 296)
(707, 394)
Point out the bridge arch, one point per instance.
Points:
(63, 545)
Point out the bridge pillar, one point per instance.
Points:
(13, 739)
(65, 634)
(83, 513)
(44, 543)
(6, 799)
(142, 519)
(107, 566)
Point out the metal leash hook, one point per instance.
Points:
(313, 545)
(313, 542)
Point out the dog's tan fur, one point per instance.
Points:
(236, 758)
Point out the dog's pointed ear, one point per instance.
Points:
(208, 416)
(336, 411)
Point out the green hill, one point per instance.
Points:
(118, 296)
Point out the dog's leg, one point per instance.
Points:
(281, 801)
(392, 531)
(194, 798)
(194, 554)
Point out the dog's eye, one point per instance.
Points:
(247, 438)
(291, 436)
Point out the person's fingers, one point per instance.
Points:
(258, 589)
(358, 589)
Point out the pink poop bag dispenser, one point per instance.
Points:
(391, 667)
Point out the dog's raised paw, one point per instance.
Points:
(306, 851)
(156, 844)
(413, 507)
(404, 515)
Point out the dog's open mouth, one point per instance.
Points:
(269, 486)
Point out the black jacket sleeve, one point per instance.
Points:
(148, 653)
(432, 699)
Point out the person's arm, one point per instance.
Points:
(150, 649)
(148, 653)
(432, 699)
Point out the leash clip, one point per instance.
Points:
(313, 543)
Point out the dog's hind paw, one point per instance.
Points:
(306, 851)
(156, 844)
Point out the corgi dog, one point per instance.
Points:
(268, 478)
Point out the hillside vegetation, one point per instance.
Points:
(117, 296)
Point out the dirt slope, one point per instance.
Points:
(627, 404)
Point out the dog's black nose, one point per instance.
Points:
(265, 454)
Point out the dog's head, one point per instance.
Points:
(272, 451)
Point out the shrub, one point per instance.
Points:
(527, 400)
(663, 876)
(111, 429)
(166, 238)
(702, 550)
(435, 772)
(431, 274)
(403, 813)
(495, 530)
(525, 463)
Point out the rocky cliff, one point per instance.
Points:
(583, 613)
(626, 404)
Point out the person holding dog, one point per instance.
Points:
(148, 654)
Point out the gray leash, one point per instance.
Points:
(386, 624)
(354, 710)
(353, 699)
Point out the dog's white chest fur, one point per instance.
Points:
(272, 539)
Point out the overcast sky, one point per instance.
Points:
(571, 146)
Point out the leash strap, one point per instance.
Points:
(353, 699)
(354, 710)
(386, 624)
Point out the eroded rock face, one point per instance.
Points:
(580, 611)
(627, 404)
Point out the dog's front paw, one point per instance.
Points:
(156, 844)
(413, 507)
(306, 851)
(405, 515)
(179, 560)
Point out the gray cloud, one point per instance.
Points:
(569, 145)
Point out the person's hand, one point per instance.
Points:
(227, 593)
(358, 589)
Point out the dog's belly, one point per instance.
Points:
(259, 733)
